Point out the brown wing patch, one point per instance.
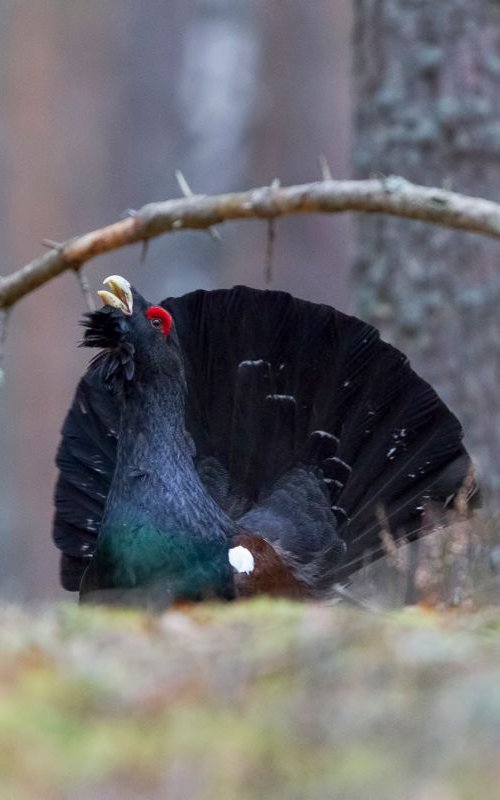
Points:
(270, 575)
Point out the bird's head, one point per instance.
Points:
(138, 339)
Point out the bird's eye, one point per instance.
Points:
(160, 319)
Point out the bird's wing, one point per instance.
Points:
(296, 517)
(86, 461)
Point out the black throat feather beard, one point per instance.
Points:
(106, 329)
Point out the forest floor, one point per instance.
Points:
(259, 699)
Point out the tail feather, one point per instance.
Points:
(278, 436)
(252, 386)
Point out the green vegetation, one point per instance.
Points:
(250, 700)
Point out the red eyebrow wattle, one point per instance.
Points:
(157, 312)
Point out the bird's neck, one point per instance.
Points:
(155, 468)
(152, 435)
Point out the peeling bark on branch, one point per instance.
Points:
(392, 195)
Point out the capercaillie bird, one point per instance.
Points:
(232, 442)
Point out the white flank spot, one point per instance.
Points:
(241, 559)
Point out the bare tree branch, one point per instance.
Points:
(391, 195)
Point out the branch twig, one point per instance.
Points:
(325, 168)
(391, 195)
(188, 192)
(270, 240)
(4, 324)
(269, 257)
(85, 288)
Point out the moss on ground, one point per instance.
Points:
(253, 700)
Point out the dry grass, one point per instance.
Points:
(456, 565)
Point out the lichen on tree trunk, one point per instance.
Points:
(428, 99)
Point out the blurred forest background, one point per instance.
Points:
(102, 101)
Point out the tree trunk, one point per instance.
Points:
(428, 94)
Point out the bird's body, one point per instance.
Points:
(158, 515)
(249, 447)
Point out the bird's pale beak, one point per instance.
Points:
(120, 295)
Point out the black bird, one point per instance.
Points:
(239, 441)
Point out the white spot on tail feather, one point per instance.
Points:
(250, 363)
(335, 460)
(241, 559)
(324, 435)
(277, 397)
